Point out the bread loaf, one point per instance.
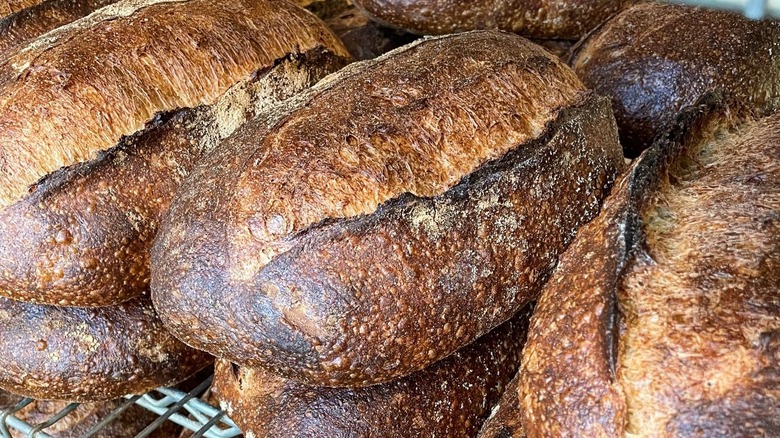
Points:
(654, 59)
(544, 19)
(85, 417)
(79, 206)
(662, 318)
(89, 354)
(30, 23)
(450, 398)
(394, 213)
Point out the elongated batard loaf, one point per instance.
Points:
(396, 212)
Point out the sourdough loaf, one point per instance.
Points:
(662, 318)
(79, 206)
(450, 398)
(30, 23)
(653, 59)
(543, 19)
(85, 417)
(89, 354)
(390, 215)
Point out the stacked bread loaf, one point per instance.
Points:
(355, 246)
(362, 246)
(100, 120)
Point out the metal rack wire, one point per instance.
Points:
(203, 419)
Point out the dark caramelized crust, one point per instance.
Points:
(653, 59)
(451, 398)
(109, 74)
(663, 318)
(363, 37)
(81, 237)
(85, 417)
(87, 355)
(34, 21)
(567, 381)
(505, 420)
(359, 300)
(546, 19)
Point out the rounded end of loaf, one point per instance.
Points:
(86, 355)
(653, 59)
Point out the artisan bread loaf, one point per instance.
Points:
(89, 354)
(79, 206)
(662, 317)
(85, 417)
(654, 59)
(544, 19)
(30, 23)
(390, 215)
(450, 398)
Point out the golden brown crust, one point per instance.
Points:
(450, 398)
(545, 19)
(8, 7)
(108, 78)
(94, 249)
(652, 356)
(709, 266)
(653, 59)
(81, 237)
(367, 299)
(34, 21)
(88, 355)
(80, 421)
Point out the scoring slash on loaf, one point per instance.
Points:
(667, 302)
(450, 398)
(102, 118)
(542, 19)
(392, 214)
(654, 59)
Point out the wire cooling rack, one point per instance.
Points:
(199, 417)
